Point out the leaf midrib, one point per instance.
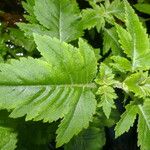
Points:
(89, 85)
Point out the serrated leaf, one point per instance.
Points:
(100, 14)
(127, 120)
(105, 80)
(92, 18)
(125, 40)
(90, 139)
(134, 40)
(111, 42)
(107, 97)
(61, 18)
(28, 6)
(144, 125)
(82, 112)
(29, 29)
(116, 8)
(59, 85)
(139, 83)
(121, 63)
(105, 76)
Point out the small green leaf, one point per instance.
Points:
(100, 14)
(107, 96)
(105, 80)
(120, 63)
(105, 76)
(139, 83)
(127, 120)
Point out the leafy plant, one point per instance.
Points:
(69, 94)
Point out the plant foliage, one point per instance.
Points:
(57, 90)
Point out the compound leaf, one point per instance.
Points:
(107, 97)
(106, 92)
(59, 86)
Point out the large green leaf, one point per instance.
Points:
(59, 86)
(134, 40)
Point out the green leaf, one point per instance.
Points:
(111, 42)
(28, 6)
(82, 112)
(144, 8)
(106, 92)
(58, 87)
(127, 119)
(107, 96)
(89, 139)
(29, 29)
(139, 83)
(100, 14)
(105, 76)
(124, 39)
(8, 138)
(17, 37)
(61, 18)
(92, 18)
(144, 125)
(120, 63)
(134, 40)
